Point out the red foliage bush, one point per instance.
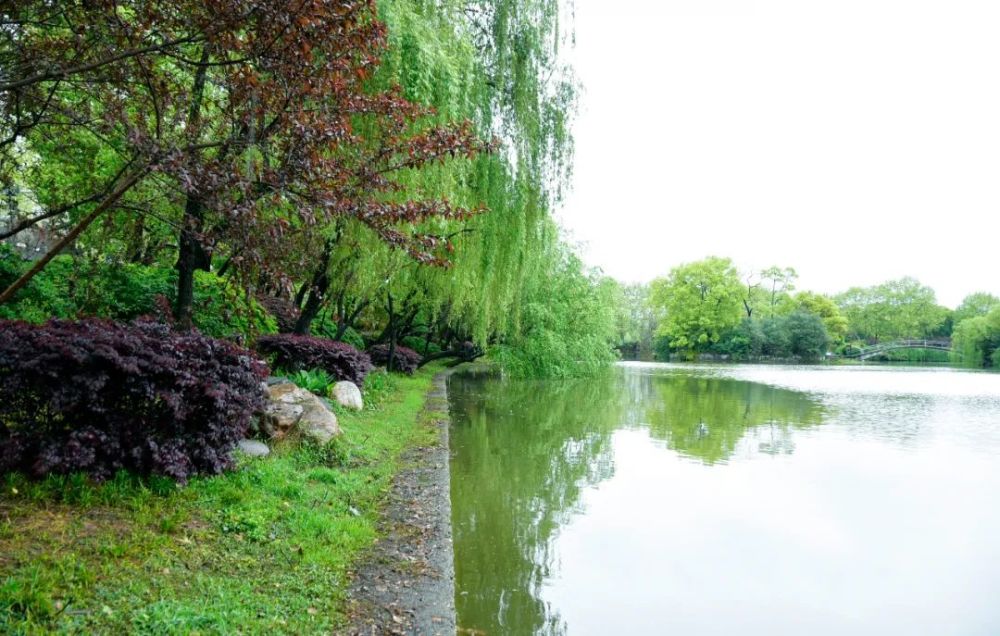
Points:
(403, 359)
(97, 396)
(295, 352)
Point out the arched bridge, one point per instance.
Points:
(937, 344)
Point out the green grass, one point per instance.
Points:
(266, 548)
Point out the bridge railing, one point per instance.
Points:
(939, 344)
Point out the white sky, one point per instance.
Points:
(856, 140)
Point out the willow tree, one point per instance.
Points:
(498, 63)
(977, 340)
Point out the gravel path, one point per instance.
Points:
(406, 585)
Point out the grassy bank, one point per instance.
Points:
(266, 548)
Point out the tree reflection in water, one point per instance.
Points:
(522, 453)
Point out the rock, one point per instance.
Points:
(348, 395)
(291, 408)
(253, 448)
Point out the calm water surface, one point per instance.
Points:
(669, 499)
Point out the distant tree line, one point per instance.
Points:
(711, 307)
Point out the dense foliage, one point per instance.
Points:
(307, 168)
(700, 301)
(975, 305)
(404, 359)
(71, 287)
(293, 352)
(567, 323)
(896, 309)
(711, 307)
(96, 396)
(977, 340)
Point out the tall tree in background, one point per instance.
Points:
(902, 308)
(973, 305)
(827, 310)
(700, 301)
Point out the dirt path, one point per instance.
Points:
(406, 585)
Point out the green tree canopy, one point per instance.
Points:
(901, 308)
(973, 305)
(824, 307)
(700, 301)
(977, 340)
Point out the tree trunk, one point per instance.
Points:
(318, 287)
(191, 254)
(392, 334)
(345, 321)
(190, 258)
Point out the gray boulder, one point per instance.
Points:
(348, 395)
(253, 448)
(290, 408)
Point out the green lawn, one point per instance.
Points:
(263, 549)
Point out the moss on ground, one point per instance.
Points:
(267, 548)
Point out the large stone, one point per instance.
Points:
(253, 448)
(290, 408)
(348, 395)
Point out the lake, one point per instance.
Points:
(712, 499)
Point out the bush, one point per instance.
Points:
(295, 352)
(96, 396)
(315, 381)
(404, 359)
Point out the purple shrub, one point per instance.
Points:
(96, 396)
(295, 352)
(403, 359)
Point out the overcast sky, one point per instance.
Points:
(856, 141)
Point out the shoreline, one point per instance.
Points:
(406, 583)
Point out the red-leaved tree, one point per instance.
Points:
(254, 119)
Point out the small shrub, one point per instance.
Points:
(379, 385)
(315, 381)
(295, 352)
(404, 359)
(96, 396)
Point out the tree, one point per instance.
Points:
(777, 283)
(977, 340)
(807, 335)
(636, 319)
(827, 310)
(896, 309)
(261, 121)
(567, 327)
(973, 305)
(700, 301)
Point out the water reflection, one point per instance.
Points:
(707, 500)
(521, 453)
(706, 417)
